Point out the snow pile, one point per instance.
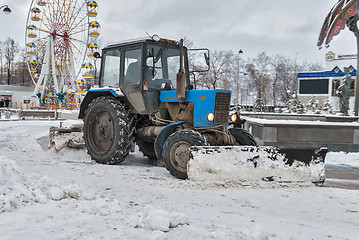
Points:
(161, 220)
(18, 189)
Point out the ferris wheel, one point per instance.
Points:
(60, 39)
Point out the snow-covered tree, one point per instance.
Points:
(259, 104)
(295, 105)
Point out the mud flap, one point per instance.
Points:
(253, 163)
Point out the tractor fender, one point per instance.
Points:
(162, 137)
(95, 93)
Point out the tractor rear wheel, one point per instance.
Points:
(108, 130)
(176, 151)
(243, 137)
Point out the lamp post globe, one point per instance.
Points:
(6, 10)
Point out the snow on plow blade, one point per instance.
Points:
(253, 163)
(61, 137)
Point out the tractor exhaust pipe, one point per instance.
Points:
(149, 133)
(181, 78)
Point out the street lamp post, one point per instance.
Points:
(6, 10)
(237, 85)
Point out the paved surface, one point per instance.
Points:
(342, 176)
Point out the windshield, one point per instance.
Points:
(162, 66)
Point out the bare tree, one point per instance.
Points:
(21, 74)
(10, 48)
(275, 78)
(222, 68)
(259, 75)
(311, 66)
(280, 71)
(289, 82)
(1, 63)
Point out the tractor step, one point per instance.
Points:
(256, 163)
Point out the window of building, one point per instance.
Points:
(314, 86)
(337, 82)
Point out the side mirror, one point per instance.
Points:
(206, 57)
(196, 56)
(97, 55)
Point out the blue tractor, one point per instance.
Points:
(145, 97)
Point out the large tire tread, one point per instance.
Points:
(123, 130)
(243, 137)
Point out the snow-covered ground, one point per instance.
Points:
(65, 195)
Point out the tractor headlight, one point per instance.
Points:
(210, 117)
(233, 117)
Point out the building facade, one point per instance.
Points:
(322, 85)
(18, 94)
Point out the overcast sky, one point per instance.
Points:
(287, 27)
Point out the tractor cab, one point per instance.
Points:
(141, 69)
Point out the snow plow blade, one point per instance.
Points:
(256, 163)
(62, 137)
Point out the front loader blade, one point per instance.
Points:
(253, 163)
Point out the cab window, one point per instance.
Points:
(132, 67)
(111, 69)
(162, 65)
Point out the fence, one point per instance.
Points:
(49, 106)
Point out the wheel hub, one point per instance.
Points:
(181, 155)
(104, 132)
(103, 129)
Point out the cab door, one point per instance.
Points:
(132, 75)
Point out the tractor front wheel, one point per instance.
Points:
(176, 151)
(243, 137)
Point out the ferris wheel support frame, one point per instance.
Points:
(49, 62)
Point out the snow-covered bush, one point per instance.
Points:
(327, 107)
(313, 105)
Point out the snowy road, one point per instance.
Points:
(65, 195)
(342, 176)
